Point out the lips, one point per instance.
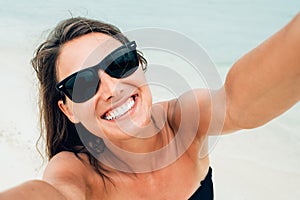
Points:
(121, 110)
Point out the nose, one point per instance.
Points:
(109, 87)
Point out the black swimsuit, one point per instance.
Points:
(206, 190)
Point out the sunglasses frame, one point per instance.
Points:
(104, 64)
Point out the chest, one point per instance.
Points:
(177, 181)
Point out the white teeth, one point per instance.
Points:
(119, 111)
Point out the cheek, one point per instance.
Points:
(83, 110)
(139, 77)
(142, 84)
(147, 96)
(85, 113)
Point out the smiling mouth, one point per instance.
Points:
(120, 110)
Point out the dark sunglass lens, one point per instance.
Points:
(85, 86)
(123, 66)
(68, 87)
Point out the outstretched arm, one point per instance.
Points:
(34, 189)
(65, 178)
(265, 82)
(261, 85)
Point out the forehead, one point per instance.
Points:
(84, 51)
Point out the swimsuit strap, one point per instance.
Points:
(206, 190)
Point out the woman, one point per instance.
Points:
(91, 108)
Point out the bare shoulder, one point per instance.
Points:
(66, 162)
(188, 106)
(72, 176)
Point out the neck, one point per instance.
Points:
(146, 140)
(136, 154)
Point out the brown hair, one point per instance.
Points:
(61, 134)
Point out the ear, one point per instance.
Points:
(66, 108)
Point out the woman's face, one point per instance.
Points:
(121, 107)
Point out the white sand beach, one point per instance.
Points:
(257, 165)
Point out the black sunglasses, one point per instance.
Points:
(83, 85)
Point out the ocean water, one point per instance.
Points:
(227, 29)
